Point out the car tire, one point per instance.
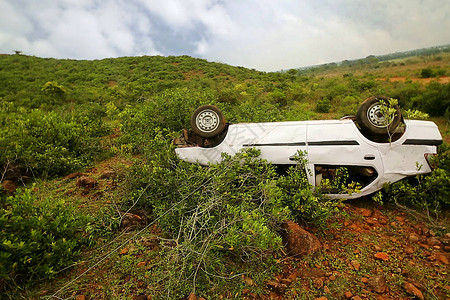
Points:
(208, 121)
(371, 120)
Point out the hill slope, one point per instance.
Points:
(87, 160)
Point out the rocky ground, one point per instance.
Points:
(369, 251)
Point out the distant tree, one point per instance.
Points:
(426, 73)
(53, 89)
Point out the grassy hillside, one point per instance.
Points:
(90, 179)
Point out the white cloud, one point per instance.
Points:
(262, 34)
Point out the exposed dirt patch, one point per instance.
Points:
(442, 79)
(192, 74)
(112, 83)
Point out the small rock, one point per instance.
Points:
(318, 283)
(443, 259)
(141, 264)
(326, 289)
(383, 221)
(377, 283)
(271, 283)
(192, 296)
(371, 221)
(245, 291)
(298, 241)
(400, 219)
(108, 175)
(409, 250)
(348, 295)
(273, 295)
(356, 264)
(287, 281)
(377, 248)
(123, 251)
(433, 241)
(86, 182)
(80, 297)
(365, 212)
(9, 186)
(321, 298)
(364, 280)
(132, 221)
(247, 280)
(356, 298)
(412, 290)
(75, 175)
(381, 256)
(413, 238)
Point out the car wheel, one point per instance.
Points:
(371, 119)
(208, 121)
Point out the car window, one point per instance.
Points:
(334, 179)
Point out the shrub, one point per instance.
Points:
(54, 91)
(435, 100)
(426, 73)
(219, 219)
(48, 143)
(37, 238)
(323, 106)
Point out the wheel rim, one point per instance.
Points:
(207, 121)
(376, 117)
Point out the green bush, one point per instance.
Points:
(220, 214)
(37, 238)
(323, 106)
(48, 143)
(306, 204)
(435, 100)
(426, 73)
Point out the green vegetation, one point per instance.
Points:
(218, 224)
(38, 239)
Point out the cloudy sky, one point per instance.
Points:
(267, 35)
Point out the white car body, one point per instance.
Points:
(330, 143)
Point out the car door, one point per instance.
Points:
(333, 145)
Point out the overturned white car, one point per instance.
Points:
(375, 149)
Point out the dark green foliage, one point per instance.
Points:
(323, 106)
(307, 205)
(426, 73)
(48, 143)
(435, 100)
(37, 238)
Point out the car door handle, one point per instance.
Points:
(369, 157)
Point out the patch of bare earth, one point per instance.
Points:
(442, 79)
